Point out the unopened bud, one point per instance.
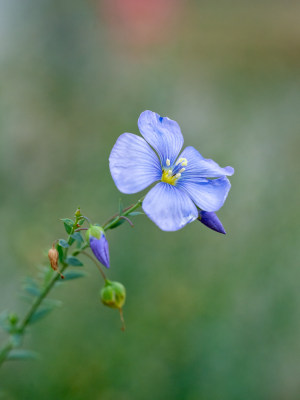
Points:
(211, 220)
(13, 318)
(78, 213)
(95, 236)
(113, 294)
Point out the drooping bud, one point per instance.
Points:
(113, 294)
(211, 220)
(96, 238)
(53, 257)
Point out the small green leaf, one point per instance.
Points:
(74, 261)
(121, 208)
(40, 314)
(81, 221)
(68, 224)
(74, 275)
(77, 236)
(16, 339)
(33, 290)
(133, 213)
(52, 303)
(118, 223)
(20, 354)
(61, 255)
(63, 243)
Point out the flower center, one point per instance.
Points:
(170, 175)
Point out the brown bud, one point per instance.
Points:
(53, 257)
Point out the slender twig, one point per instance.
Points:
(97, 264)
(20, 329)
(127, 219)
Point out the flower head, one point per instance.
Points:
(99, 244)
(183, 185)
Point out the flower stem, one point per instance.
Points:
(97, 264)
(115, 219)
(20, 329)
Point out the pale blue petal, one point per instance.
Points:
(163, 134)
(209, 195)
(169, 207)
(197, 166)
(133, 164)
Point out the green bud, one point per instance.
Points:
(78, 213)
(113, 294)
(95, 231)
(13, 318)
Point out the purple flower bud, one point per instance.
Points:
(211, 220)
(99, 244)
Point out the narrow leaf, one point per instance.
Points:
(74, 275)
(20, 354)
(120, 206)
(74, 261)
(118, 223)
(63, 243)
(68, 224)
(133, 213)
(40, 314)
(33, 290)
(77, 236)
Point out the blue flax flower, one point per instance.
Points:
(182, 181)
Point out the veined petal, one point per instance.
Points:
(163, 134)
(209, 195)
(169, 207)
(100, 249)
(197, 166)
(133, 164)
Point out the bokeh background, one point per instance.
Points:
(208, 316)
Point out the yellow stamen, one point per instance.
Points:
(171, 179)
(182, 161)
(168, 162)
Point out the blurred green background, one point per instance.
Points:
(208, 316)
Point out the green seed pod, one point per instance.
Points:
(113, 294)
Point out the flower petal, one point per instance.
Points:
(202, 167)
(211, 220)
(133, 164)
(163, 134)
(209, 195)
(169, 207)
(100, 249)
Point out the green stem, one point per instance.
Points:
(111, 223)
(97, 264)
